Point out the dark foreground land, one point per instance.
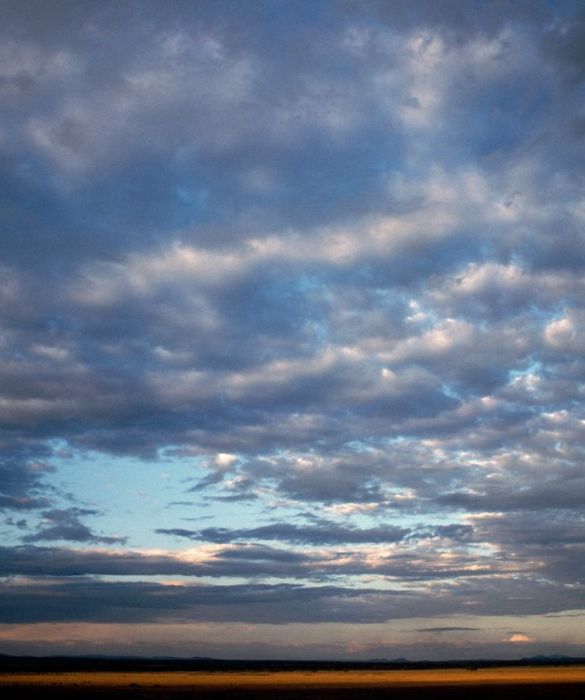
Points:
(517, 683)
(529, 692)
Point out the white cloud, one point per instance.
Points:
(518, 638)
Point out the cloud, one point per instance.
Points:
(46, 600)
(519, 638)
(256, 560)
(321, 534)
(251, 603)
(23, 473)
(449, 629)
(59, 524)
(331, 276)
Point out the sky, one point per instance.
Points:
(292, 318)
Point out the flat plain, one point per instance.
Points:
(501, 683)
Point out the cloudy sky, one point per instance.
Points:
(292, 318)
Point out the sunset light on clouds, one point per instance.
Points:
(292, 319)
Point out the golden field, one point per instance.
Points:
(199, 679)
(309, 683)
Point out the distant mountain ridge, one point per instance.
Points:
(97, 662)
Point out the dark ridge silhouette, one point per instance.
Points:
(88, 663)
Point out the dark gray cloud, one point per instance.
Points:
(430, 561)
(99, 601)
(22, 486)
(253, 561)
(449, 629)
(562, 493)
(324, 534)
(65, 524)
(554, 544)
